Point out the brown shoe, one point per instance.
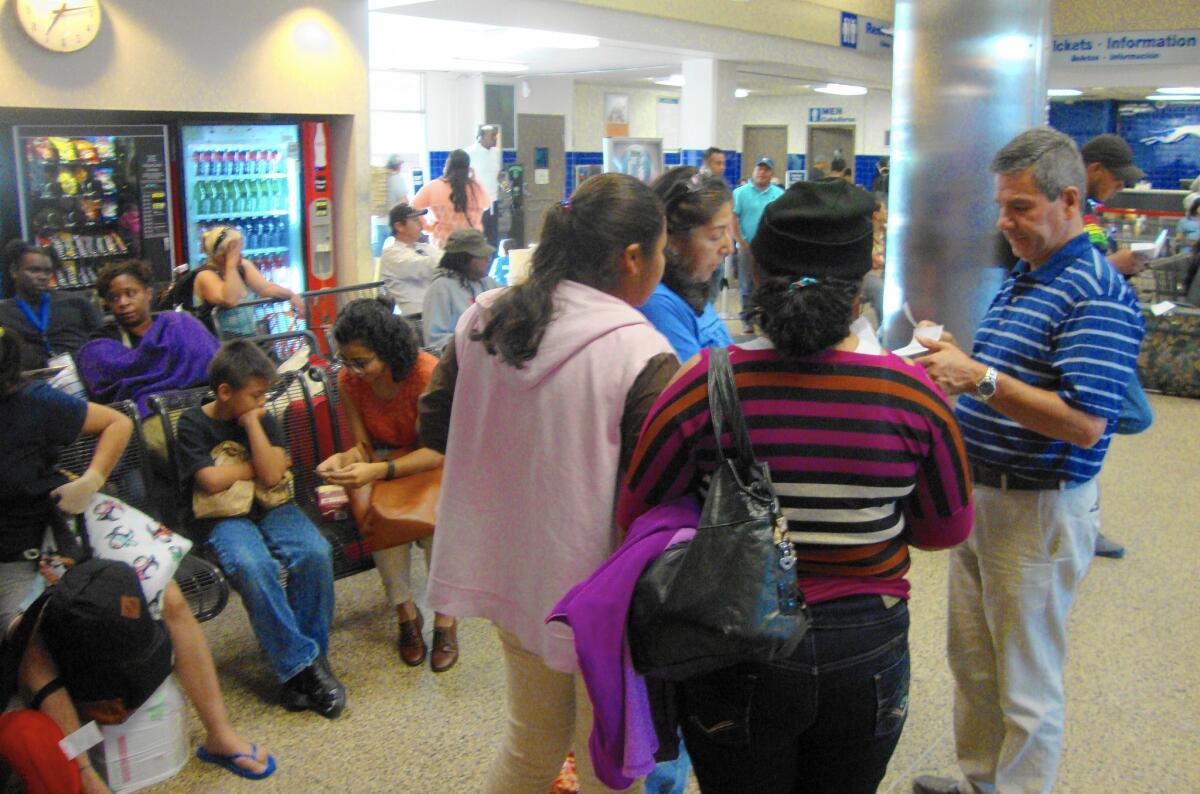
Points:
(445, 648)
(411, 643)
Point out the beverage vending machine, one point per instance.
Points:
(93, 194)
(247, 176)
(317, 181)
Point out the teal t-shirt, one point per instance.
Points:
(749, 203)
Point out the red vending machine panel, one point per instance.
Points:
(317, 185)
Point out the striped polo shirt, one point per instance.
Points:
(863, 449)
(1072, 326)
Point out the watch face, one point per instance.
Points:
(60, 25)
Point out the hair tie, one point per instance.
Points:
(565, 205)
(800, 284)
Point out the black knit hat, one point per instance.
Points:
(820, 229)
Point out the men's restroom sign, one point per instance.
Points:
(849, 30)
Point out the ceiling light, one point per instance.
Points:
(675, 81)
(1174, 97)
(379, 5)
(1064, 92)
(1180, 89)
(840, 89)
(741, 93)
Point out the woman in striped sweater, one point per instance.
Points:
(867, 460)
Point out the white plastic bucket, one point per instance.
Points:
(149, 747)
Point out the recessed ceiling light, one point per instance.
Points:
(675, 81)
(1180, 89)
(741, 93)
(1174, 97)
(1064, 92)
(840, 89)
(472, 65)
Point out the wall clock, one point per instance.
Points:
(60, 25)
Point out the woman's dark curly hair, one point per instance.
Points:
(801, 321)
(691, 199)
(370, 322)
(137, 268)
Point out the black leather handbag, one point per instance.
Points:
(729, 594)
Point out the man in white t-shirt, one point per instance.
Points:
(486, 161)
(408, 266)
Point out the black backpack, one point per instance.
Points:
(110, 652)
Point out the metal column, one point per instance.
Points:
(968, 76)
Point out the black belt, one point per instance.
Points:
(1007, 481)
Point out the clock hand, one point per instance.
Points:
(62, 9)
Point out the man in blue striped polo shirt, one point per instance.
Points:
(1041, 393)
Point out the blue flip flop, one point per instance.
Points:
(228, 761)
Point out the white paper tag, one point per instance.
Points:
(1161, 308)
(915, 347)
(81, 741)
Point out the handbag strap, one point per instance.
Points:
(725, 407)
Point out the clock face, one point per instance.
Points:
(60, 25)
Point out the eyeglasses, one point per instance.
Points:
(355, 364)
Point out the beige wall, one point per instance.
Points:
(1089, 16)
(218, 56)
(588, 118)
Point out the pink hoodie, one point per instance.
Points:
(532, 465)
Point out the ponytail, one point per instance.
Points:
(582, 240)
(801, 318)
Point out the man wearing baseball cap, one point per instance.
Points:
(749, 202)
(409, 266)
(1110, 168)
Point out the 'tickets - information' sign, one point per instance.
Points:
(1156, 47)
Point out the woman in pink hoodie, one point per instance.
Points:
(537, 403)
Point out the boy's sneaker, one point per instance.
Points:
(315, 687)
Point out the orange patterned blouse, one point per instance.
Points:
(391, 424)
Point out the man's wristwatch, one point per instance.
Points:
(985, 389)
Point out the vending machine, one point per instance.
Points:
(247, 176)
(318, 228)
(96, 193)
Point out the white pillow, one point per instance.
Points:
(118, 531)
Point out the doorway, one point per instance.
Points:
(826, 142)
(760, 140)
(541, 139)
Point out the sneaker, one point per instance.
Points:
(316, 688)
(1109, 548)
(935, 784)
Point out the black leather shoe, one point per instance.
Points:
(933, 784)
(316, 688)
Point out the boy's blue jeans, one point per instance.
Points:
(292, 626)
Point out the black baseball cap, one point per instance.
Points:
(1112, 152)
(402, 212)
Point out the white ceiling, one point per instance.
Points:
(410, 36)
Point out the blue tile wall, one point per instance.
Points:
(1144, 126)
(579, 158)
(1083, 120)
(864, 169)
(437, 164)
(671, 159)
(1161, 146)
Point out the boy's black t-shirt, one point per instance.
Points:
(197, 434)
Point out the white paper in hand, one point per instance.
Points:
(1150, 250)
(915, 348)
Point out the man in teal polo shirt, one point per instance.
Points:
(749, 201)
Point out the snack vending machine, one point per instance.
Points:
(247, 176)
(96, 193)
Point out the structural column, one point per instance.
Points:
(967, 78)
(707, 113)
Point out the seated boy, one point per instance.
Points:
(292, 626)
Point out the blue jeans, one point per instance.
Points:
(746, 283)
(1136, 413)
(824, 720)
(293, 626)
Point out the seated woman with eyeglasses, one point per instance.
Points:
(699, 212)
(383, 374)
